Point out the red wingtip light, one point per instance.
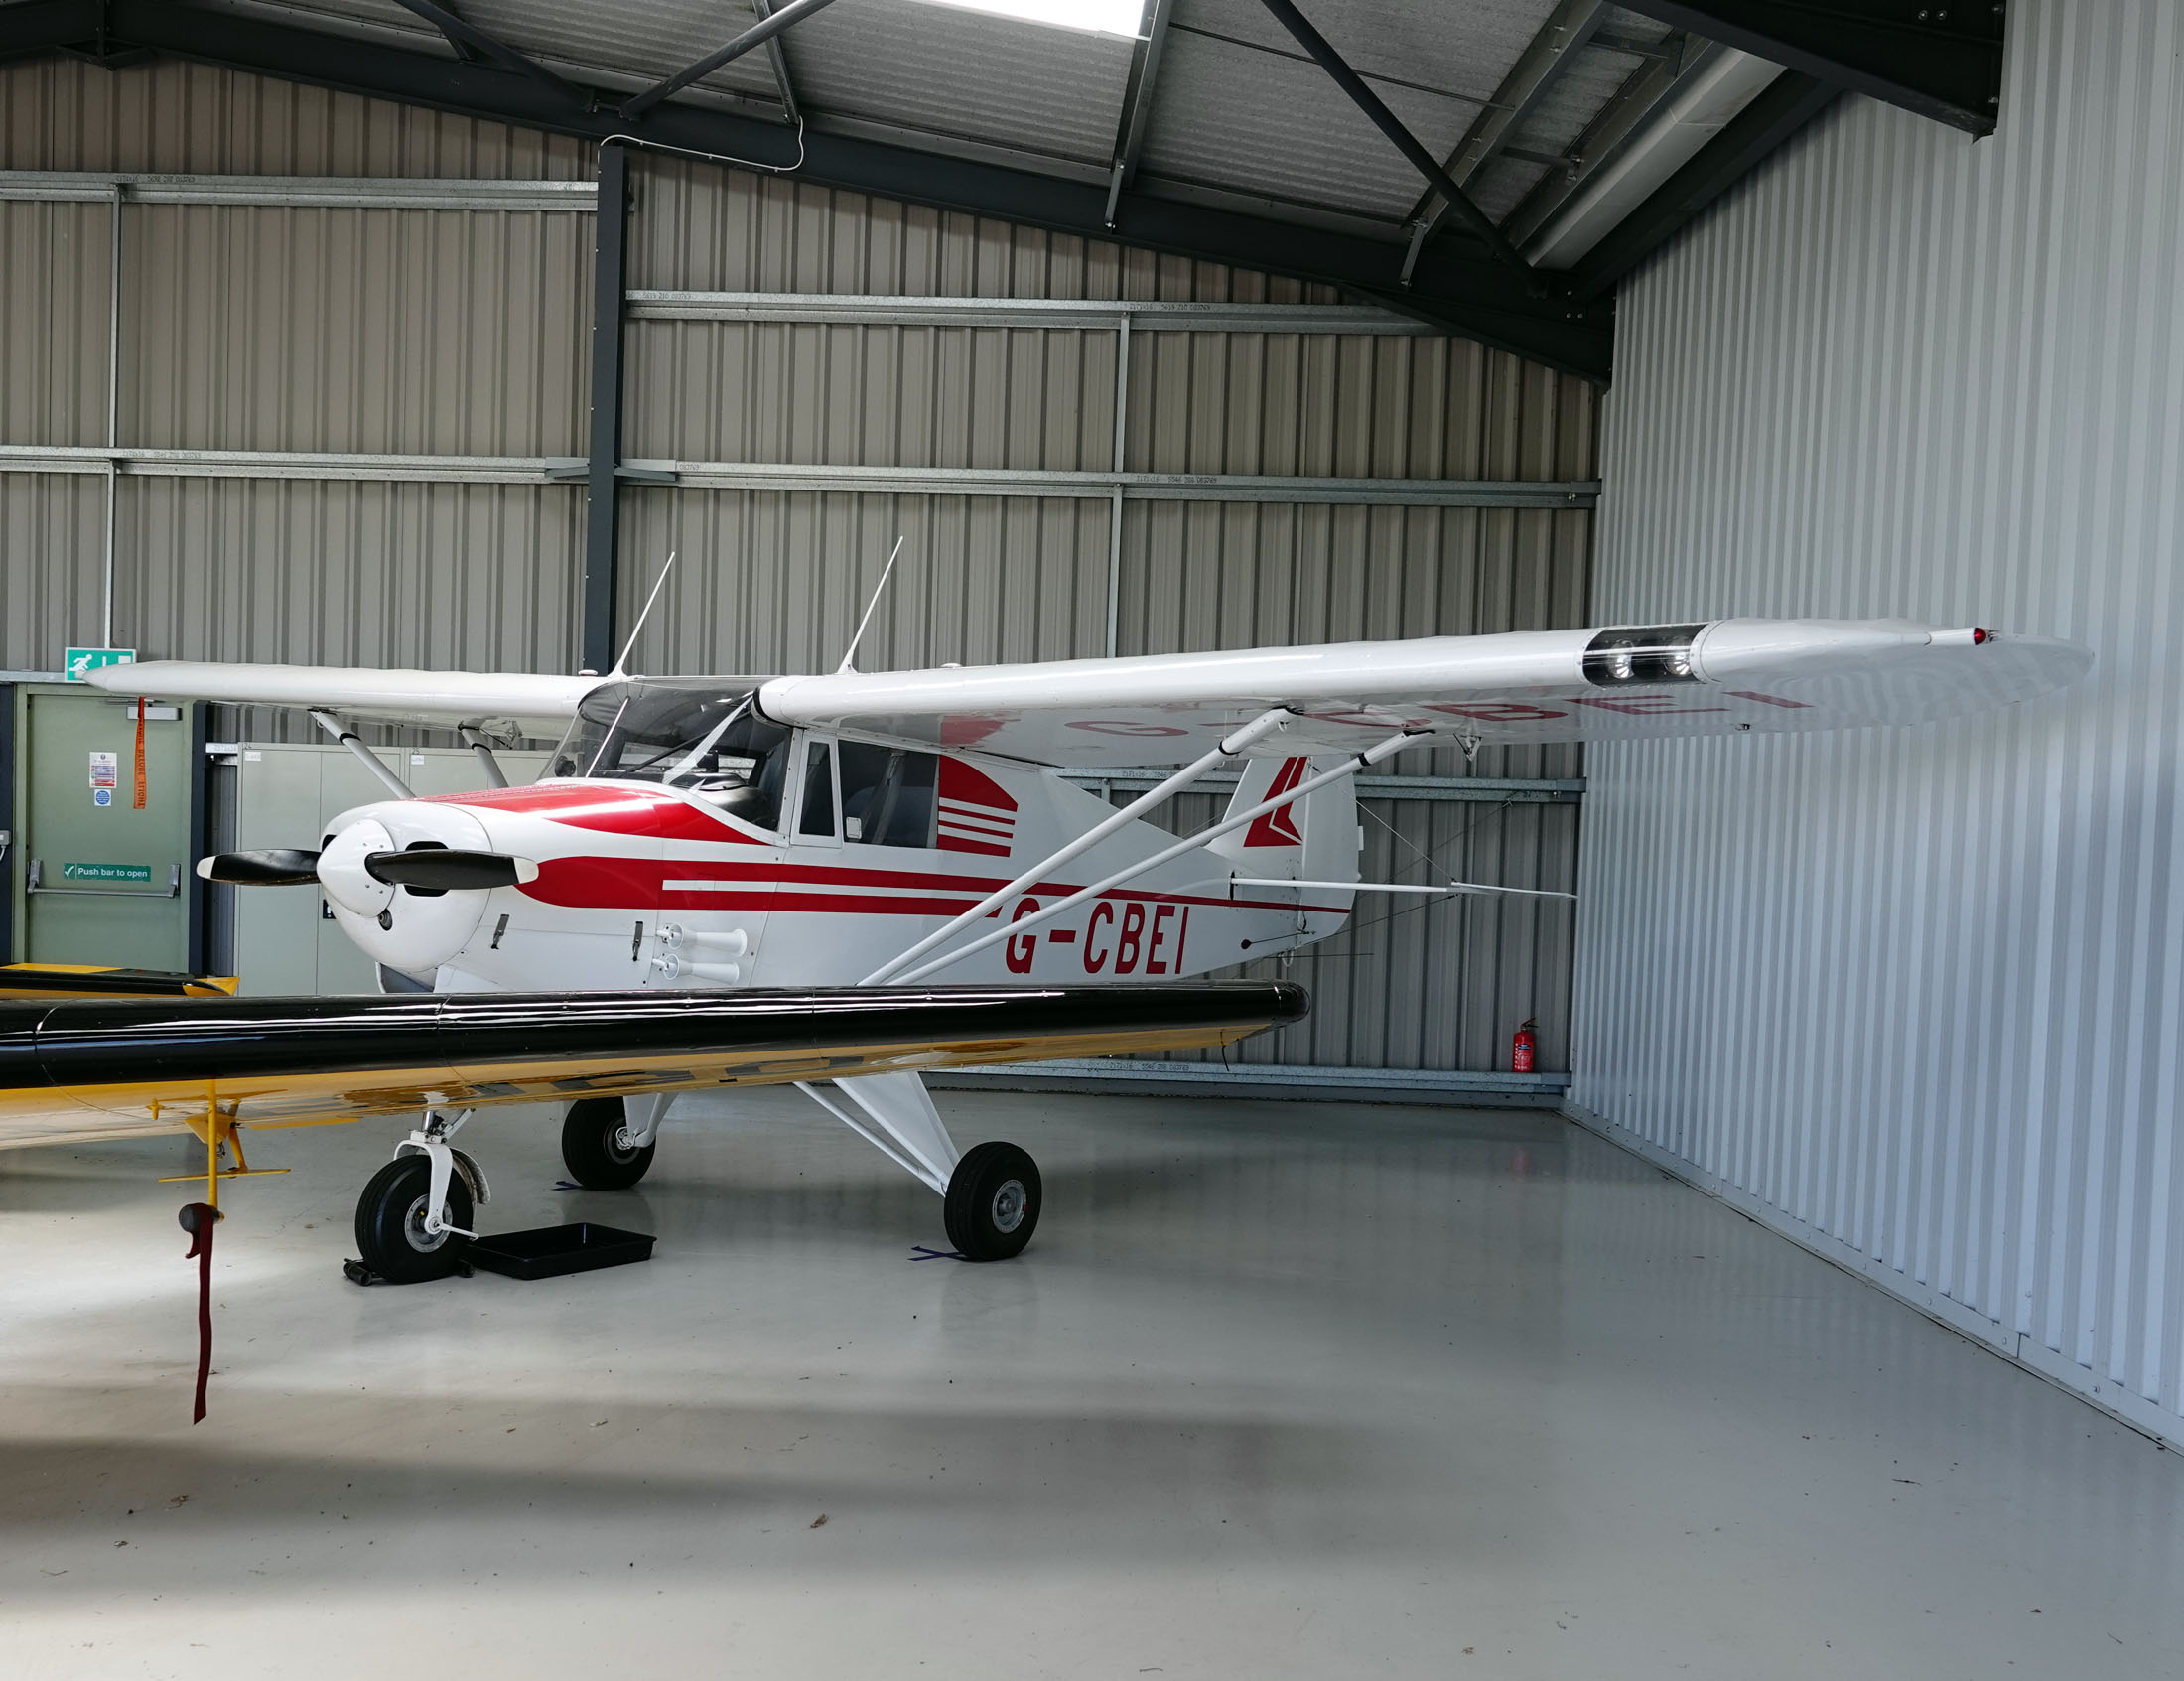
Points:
(1979, 637)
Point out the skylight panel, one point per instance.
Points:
(1100, 17)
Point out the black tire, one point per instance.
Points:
(390, 1223)
(590, 1150)
(993, 1203)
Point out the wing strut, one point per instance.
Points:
(350, 739)
(1350, 767)
(475, 740)
(1229, 747)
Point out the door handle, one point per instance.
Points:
(173, 889)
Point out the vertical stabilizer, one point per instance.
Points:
(1313, 839)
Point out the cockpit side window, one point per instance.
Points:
(889, 794)
(682, 734)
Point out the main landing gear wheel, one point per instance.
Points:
(595, 1147)
(993, 1204)
(390, 1223)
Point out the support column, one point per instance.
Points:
(609, 287)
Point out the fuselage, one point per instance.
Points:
(812, 862)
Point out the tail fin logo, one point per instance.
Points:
(1279, 826)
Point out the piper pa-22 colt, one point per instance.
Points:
(745, 879)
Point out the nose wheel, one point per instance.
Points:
(993, 1203)
(597, 1148)
(391, 1224)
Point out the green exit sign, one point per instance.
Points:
(105, 872)
(81, 662)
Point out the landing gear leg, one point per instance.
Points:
(413, 1218)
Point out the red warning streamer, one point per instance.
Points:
(138, 801)
(199, 1219)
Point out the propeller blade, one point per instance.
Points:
(445, 868)
(275, 867)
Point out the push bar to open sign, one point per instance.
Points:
(172, 890)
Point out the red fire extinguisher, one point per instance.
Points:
(1523, 1048)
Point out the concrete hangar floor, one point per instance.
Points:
(1279, 1390)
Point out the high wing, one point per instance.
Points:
(88, 1070)
(513, 703)
(1731, 675)
(1728, 676)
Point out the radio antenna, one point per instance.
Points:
(621, 666)
(879, 589)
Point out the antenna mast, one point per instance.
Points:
(879, 589)
(621, 666)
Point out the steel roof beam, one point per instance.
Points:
(1453, 288)
(462, 49)
(1568, 28)
(1366, 100)
(79, 29)
(777, 52)
(460, 34)
(1129, 127)
(1941, 61)
(757, 35)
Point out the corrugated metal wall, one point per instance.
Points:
(467, 333)
(1915, 996)
(402, 330)
(399, 332)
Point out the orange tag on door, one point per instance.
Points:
(138, 801)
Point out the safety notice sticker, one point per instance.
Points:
(105, 770)
(105, 872)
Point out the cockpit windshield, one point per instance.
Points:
(682, 734)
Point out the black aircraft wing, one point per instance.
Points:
(128, 1068)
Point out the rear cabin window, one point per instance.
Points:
(888, 794)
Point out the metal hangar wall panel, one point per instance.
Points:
(1913, 996)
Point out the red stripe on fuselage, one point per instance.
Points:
(633, 884)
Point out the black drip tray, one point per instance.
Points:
(552, 1250)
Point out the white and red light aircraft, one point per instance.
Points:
(866, 830)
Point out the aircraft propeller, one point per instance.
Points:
(443, 868)
(446, 867)
(274, 867)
